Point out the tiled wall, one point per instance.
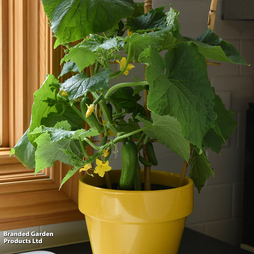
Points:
(218, 208)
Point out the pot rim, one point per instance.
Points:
(188, 180)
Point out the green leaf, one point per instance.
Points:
(167, 131)
(93, 48)
(200, 169)
(213, 47)
(155, 18)
(82, 133)
(52, 142)
(69, 66)
(74, 20)
(138, 9)
(172, 19)
(139, 42)
(124, 97)
(100, 44)
(184, 92)
(69, 114)
(123, 126)
(24, 151)
(40, 108)
(79, 163)
(223, 128)
(77, 55)
(225, 123)
(48, 152)
(80, 84)
(213, 140)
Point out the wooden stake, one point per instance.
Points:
(147, 5)
(212, 14)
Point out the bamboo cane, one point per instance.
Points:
(212, 14)
(211, 21)
(147, 173)
(147, 5)
(184, 170)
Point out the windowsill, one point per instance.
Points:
(33, 203)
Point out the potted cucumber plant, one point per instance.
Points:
(181, 112)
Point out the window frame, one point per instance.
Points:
(27, 55)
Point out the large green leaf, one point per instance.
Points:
(80, 84)
(81, 56)
(66, 113)
(24, 151)
(184, 92)
(223, 128)
(167, 131)
(95, 47)
(48, 152)
(213, 47)
(155, 18)
(40, 108)
(200, 168)
(52, 144)
(74, 20)
(159, 40)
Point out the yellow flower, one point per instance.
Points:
(129, 33)
(63, 93)
(90, 110)
(86, 167)
(106, 153)
(101, 167)
(100, 112)
(122, 64)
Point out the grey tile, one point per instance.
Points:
(213, 203)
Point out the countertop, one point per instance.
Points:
(192, 243)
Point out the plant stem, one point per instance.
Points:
(126, 84)
(184, 170)
(139, 145)
(77, 111)
(92, 144)
(131, 133)
(107, 177)
(96, 67)
(83, 149)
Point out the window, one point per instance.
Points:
(27, 55)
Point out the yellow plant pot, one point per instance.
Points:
(135, 222)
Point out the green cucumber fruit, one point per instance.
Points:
(151, 154)
(144, 161)
(129, 165)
